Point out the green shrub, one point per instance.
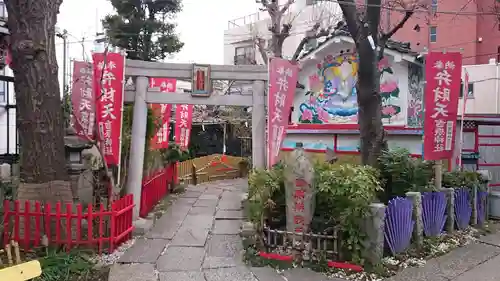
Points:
(468, 179)
(264, 186)
(174, 153)
(343, 195)
(400, 173)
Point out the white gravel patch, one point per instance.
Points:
(110, 259)
(359, 276)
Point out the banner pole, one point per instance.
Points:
(118, 173)
(438, 167)
(462, 122)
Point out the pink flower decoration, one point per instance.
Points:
(312, 100)
(388, 110)
(383, 63)
(329, 58)
(313, 79)
(388, 87)
(319, 66)
(307, 115)
(323, 115)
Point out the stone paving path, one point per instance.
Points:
(478, 261)
(197, 239)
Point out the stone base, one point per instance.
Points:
(49, 192)
(53, 191)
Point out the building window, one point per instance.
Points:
(498, 53)
(434, 7)
(3, 11)
(244, 55)
(433, 34)
(470, 95)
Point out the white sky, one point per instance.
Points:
(201, 26)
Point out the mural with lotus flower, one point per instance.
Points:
(332, 98)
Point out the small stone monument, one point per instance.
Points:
(300, 195)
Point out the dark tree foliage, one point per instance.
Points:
(144, 28)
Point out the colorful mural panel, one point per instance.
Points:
(332, 98)
(415, 96)
(313, 145)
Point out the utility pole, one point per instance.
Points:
(64, 37)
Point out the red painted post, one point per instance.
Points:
(101, 230)
(16, 220)
(79, 218)
(38, 228)
(47, 210)
(69, 214)
(27, 230)
(90, 219)
(58, 223)
(112, 229)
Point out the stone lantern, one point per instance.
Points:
(74, 147)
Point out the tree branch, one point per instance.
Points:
(286, 6)
(259, 42)
(384, 37)
(397, 27)
(311, 34)
(348, 8)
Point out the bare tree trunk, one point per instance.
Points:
(39, 116)
(370, 105)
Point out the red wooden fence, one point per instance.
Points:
(155, 187)
(28, 222)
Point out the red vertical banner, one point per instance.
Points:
(283, 76)
(162, 112)
(83, 100)
(442, 90)
(109, 78)
(183, 123)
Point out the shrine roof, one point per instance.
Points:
(400, 47)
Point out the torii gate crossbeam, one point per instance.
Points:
(142, 95)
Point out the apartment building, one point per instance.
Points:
(470, 26)
(241, 33)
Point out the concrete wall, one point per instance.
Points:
(348, 143)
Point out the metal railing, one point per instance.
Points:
(249, 19)
(311, 245)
